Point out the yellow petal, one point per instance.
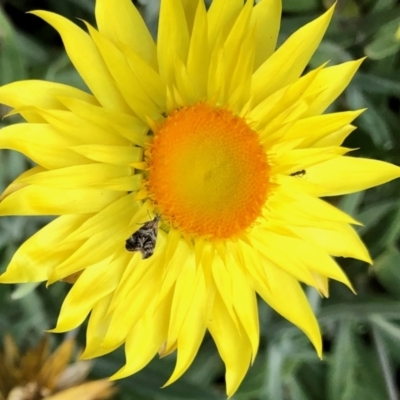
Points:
(104, 176)
(340, 241)
(76, 43)
(239, 88)
(38, 200)
(314, 258)
(118, 211)
(151, 81)
(172, 34)
(100, 389)
(289, 61)
(184, 89)
(233, 345)
(289, 206)
(190, 7)
(285, 295)
(277, 104)
(128, 300)
(335, 138)
(273, 248)
(42, 94)
(115, 155)
(236, 37)
(176, 254)
(224, 286)
(37, 256)
(198, 56)
(56, 363)
(182, 299)
(314, 129)
(95, 282)
(98, 325)
(192, 329)
(124, 24)
(305, 158)
(128, 126)
(343, 175)
(216, 82)
(128, 84)
(245, 304)
(322, 283)
(329, 84)
(42, 143)
(266, 19)
(145, 339)
(82, 130)
(221, 16)
(107, 241)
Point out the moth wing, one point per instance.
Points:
(148, 245)
(133, 243)
(146, 253)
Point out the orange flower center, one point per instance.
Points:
(208, 172)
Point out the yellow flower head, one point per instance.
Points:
(38, 374)
(209, 153)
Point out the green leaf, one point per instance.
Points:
(348, 377)
(390, 332)
(376, 84)
(299, 6)
(387, 270)
(374, 214)
(350, 203)
(360, 310)
(385, 42)
(12, 64)
(342, 363)
(23, 289)
(371, 121)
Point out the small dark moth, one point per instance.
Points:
(299, 174)
(144, 239)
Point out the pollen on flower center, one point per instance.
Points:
(208, 171)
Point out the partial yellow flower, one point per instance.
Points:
(398, 33)
(38, 374)
(216, 132)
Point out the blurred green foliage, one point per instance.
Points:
(361, 333)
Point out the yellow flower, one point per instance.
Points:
(214, 131)
(38, 374)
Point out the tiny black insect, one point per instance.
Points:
(144, 239)
(299, 174)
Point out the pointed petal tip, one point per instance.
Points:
(119, 375)
(360, 111)
(39, 13)
(367, 258)
(323, 292)
(50, 281)
(169, 382)
(369, 261)
(314, 335)
(123, 373)
(331, 9)
(89, 354)
(85, 356)
(13, 277)
(350, 286)
(4, 279)
(318, 347)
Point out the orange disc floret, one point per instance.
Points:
(208, 172)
